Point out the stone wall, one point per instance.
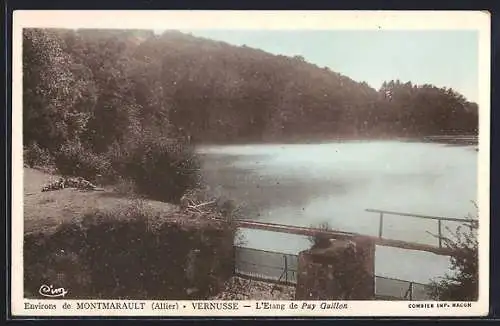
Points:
(343, 270)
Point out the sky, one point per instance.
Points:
(441, 58)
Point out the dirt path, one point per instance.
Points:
(46, 210)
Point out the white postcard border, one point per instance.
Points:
(353, 20)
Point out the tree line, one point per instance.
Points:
(102, 85)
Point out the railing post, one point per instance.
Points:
(381, 225)
(440, 234)
(234, 259)
(286, 269)
(411, 291)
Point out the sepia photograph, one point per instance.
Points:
(210, 167)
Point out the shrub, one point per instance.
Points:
(161, 168)
(132, 253)
(320, 240)
(124, 187)
(462, 283)
(73, 159)
(36, 156)
(208, 201)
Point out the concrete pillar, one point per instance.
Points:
(344, 270)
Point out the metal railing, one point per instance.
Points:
(266, 265)
(278, 267)
(340, 235)
(439, 220)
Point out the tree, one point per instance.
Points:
(53, 91)
(109, 56)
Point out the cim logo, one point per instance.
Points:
(51, 292)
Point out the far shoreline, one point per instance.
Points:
(459, 140)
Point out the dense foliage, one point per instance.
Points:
(162, 168)
(462, 284)
(130, 253)
(103, 84)
(99, 90)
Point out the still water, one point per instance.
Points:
(333, 183)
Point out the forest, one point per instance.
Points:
(101, 85)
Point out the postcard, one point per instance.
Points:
(250, 163)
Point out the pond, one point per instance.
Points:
(334, 183)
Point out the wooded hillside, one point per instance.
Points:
(103, 86)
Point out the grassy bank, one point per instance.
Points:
(104, 245)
